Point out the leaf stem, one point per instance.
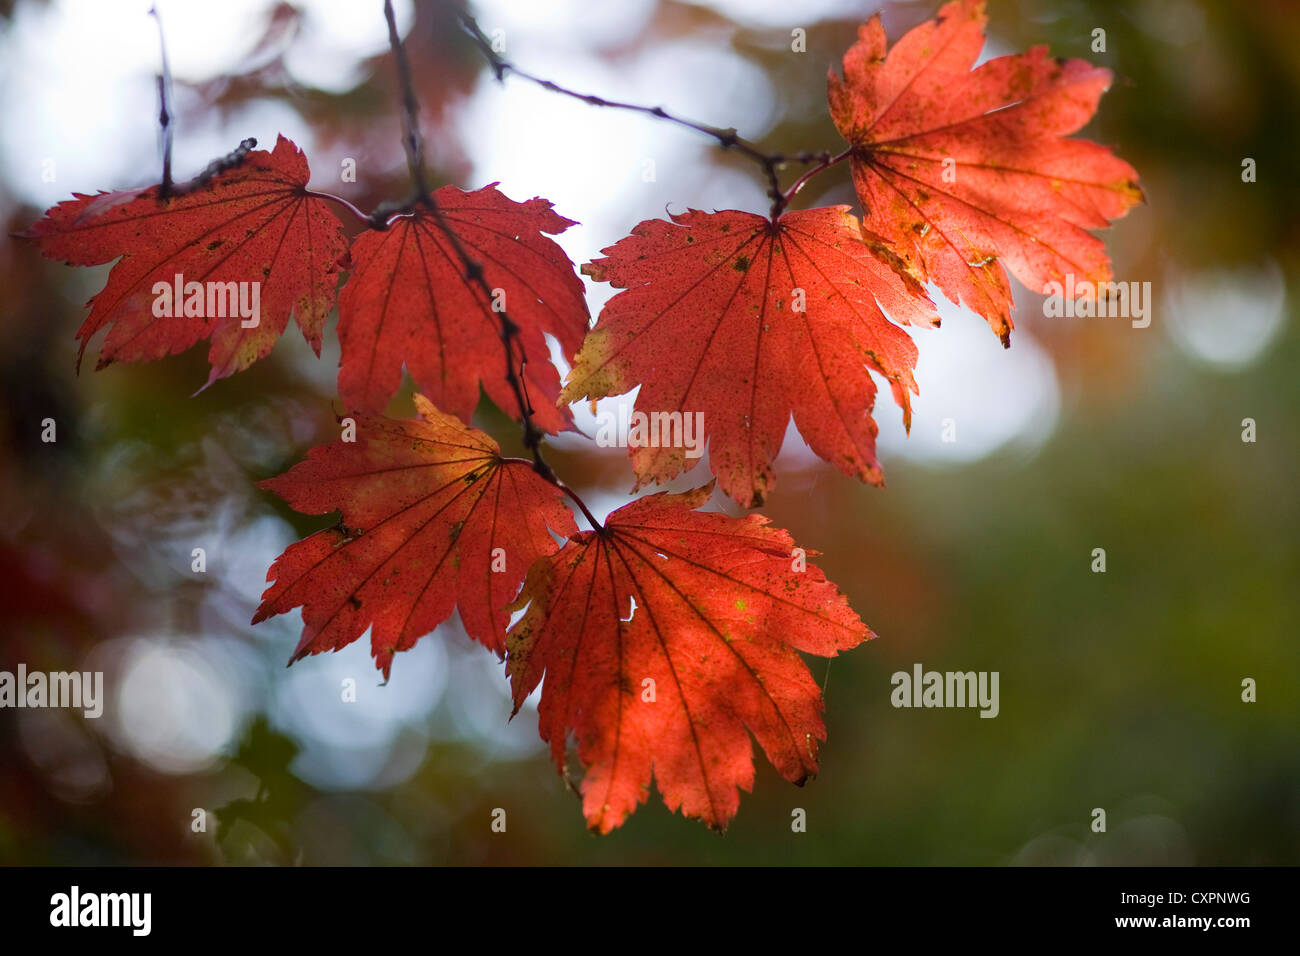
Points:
(573, 495)
(821, 167)
(591, 518)
(340, 201)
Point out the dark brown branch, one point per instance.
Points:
(411, 139)
(473, 269)
(168, 188)
(164, 114)
(728, 139)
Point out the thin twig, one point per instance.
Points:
(164, 114)
(473, 269)
(728, 139)
(168, 189)
(411, 139)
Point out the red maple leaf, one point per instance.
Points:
(746, 321)
(964, 170)
(432, 517)
(673, 684)
(253, 223)
(409, 301)
(666, 639)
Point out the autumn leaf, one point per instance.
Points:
(666, 640)
(967, 171)
(254, 223)
(409, 301)
(745, 321)
(431, 517)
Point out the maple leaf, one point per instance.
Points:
(432, 517)
(409, 301)
(673, 684)
(253, 223)
(967, 170)
(747, 321)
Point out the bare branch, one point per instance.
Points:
(411, 139)
(728, 139)
(164, 114)
(473, 269)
